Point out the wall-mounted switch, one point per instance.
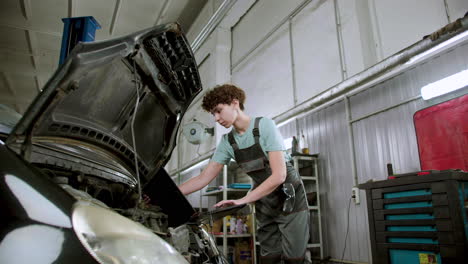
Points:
(355, 195)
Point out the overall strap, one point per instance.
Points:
(232, 141)
(256, 131)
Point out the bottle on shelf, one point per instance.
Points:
(295, 145)
(232, 225)
(305, 146)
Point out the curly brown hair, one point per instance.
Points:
(223, 94)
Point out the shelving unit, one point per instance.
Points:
(228, 193)
(307, 166)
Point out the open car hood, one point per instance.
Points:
(82, 120)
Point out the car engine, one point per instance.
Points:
(190, 239)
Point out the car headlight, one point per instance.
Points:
(113, 239)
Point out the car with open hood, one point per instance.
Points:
(82, 172)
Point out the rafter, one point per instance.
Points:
(9, 86)
(162, 12)
(38, 72)
(71, 8)
(15, 101)
(39, 84)
(7, 82)
(34, 30)
(115, 16)
(26, 9)
(32, 43)
(23, 53)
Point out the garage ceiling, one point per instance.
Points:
(32, 32)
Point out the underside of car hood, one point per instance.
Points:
(82, 119)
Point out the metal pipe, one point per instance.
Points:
(179, 157)
(377, 70)
(352, 149)
(339, 35)
(385, 109)
(115, 15)
(293, 64)
(212, 24)
(447, 11)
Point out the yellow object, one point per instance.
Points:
(249, 224)
(425, 258)
(228, 219)
(217, 226)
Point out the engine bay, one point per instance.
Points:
(190, 239)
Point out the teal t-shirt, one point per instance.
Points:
(270, 140)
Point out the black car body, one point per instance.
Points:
(74, 168)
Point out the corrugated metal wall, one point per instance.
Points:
(289, 66)
(386, 137)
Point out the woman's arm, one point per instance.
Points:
(277, 177)
(198, 182)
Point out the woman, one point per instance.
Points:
(278, 193)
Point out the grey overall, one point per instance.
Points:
(282, 235)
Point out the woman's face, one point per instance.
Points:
(226, 114)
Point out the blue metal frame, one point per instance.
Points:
(75, 30)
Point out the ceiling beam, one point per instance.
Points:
(115, 16)
(28, 73)
(71, 8)
(32, 43)
(25, 53)
(26, 9)
(33, 48)
(9, 86)
(34, 30)
(11, 100)
(39, 84)
(162, 12)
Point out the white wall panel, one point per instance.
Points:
(200, 21)
(141, 14)
(409, 83)
(371, 31)
(357, 42)
(327, 134)
(457, 9)
(102, 11)
(266, 77)
(387, 137)
(45, 18)
(390, 137)
(401, 23)
(260, 19)
(316, 51)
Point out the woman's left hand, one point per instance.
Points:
(226, 203)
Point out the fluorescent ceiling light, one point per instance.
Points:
(446, 85)
(437, 47)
